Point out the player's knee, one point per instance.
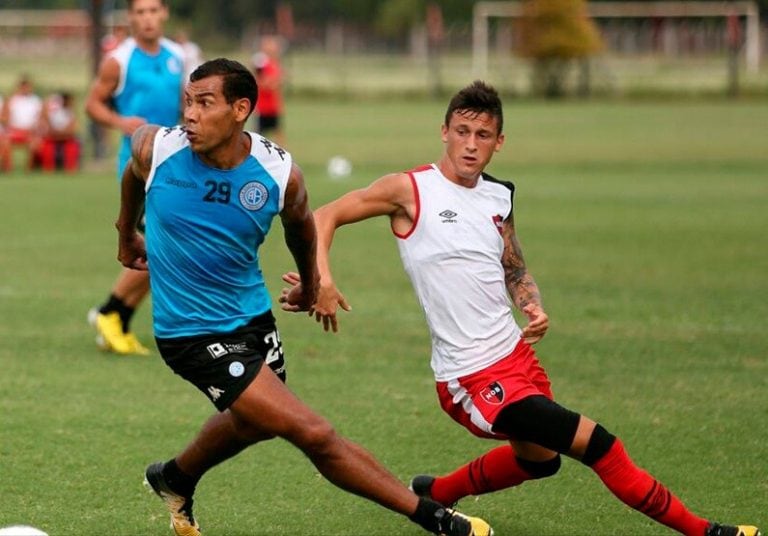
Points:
(539, 420)
(540, 469)
(600, 442)
(316, 438)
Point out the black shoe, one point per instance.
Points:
(182, 521)
(716, 529)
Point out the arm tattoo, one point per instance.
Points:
(142, 150)
(520, 284)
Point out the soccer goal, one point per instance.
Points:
(485, 11)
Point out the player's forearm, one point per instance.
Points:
(103, 114)
(301, 239)
(523, 290)
(131, 203)
(325, 231)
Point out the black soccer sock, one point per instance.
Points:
(428, 514)
(115, 304)
(177, 480)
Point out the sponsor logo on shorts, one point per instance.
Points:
(216, 350)
(219, 349)
(493, 394)
(215, 393)
(236, 369)
(253, 195)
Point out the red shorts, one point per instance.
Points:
(19, 136)
(474, 401)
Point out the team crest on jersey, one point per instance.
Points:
(493, 394)
(173, 65)
(253, 195)
(498, 222)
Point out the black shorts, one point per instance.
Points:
(222, 365)
(268, 122)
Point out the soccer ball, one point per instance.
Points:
(339, 168)
(21, 530)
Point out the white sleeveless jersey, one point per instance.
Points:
(452, 254)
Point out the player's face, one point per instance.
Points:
(470, 140)
(147, 18)
(211, 122)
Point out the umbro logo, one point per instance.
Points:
(448, 216)
(215, 393)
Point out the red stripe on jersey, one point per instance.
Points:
(418, 205)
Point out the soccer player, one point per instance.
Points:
(269, 76)
(139, 82)
(211, 193)
(456, 234)
(20, 119)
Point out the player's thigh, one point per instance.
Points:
(269, 406)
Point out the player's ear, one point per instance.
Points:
(242, 108)
(499, 142)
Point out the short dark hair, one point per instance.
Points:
(238, 81)
(476, 98)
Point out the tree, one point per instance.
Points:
(554, 34)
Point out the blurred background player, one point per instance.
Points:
(138, 82)
(193, 56)
(5, 145)
(269, 77)
(60, 144)
(20, 119)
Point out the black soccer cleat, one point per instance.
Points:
(182, 521)
(716, 529)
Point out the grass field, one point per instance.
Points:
(643, 224)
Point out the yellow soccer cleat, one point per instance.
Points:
(455, 523)
(109, 330)
(182, 521)
(136, 347)
(110, 335)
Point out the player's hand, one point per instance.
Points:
(295, 299)
(129, 124)
(329, 299)
(538, 323)
(131, 251)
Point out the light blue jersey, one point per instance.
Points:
(150, 86)
(204, 229)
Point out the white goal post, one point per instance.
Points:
(484, 11)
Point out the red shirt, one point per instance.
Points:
(270, 100)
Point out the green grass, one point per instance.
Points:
(643, 224)
(310, 72)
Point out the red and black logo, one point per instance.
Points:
(498, 222)
(493, 394)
